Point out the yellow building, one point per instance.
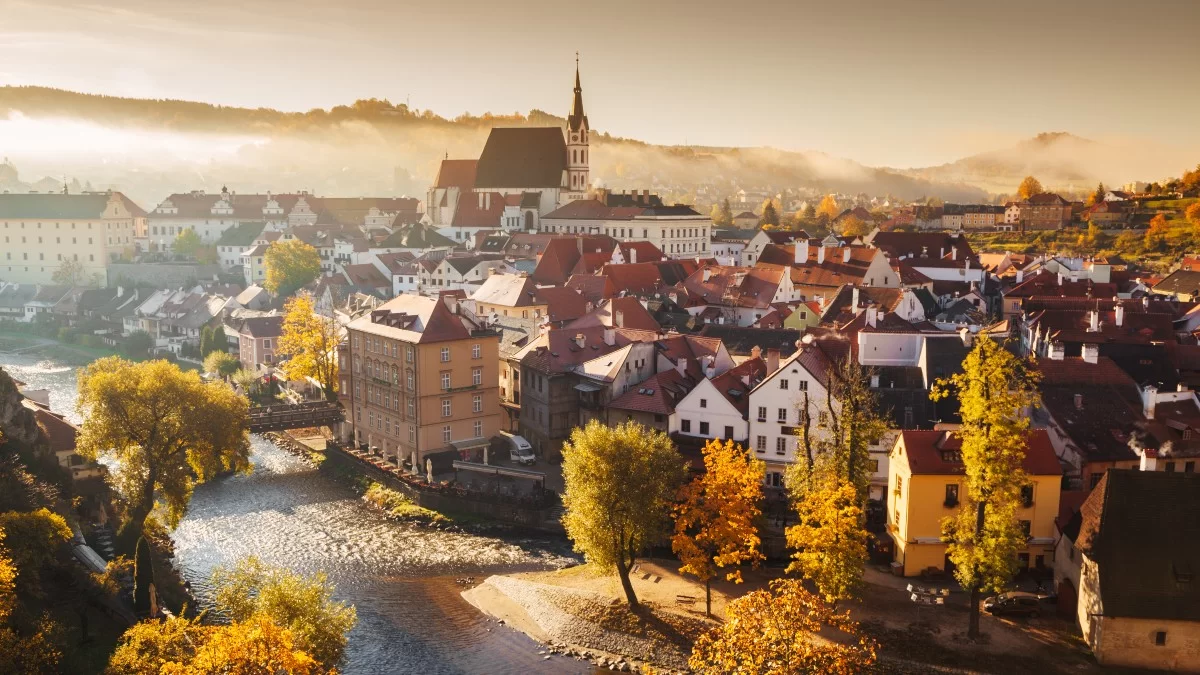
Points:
(40, 232)
(926, 483)
(421, 378)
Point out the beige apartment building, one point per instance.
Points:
(417, 376)
(42, 231)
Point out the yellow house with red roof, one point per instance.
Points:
(926, 483)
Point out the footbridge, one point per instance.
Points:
(284, 416)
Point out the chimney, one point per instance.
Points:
(1079, 401)
(965, 334)
(772, 360)
(1060, 278)
(846, 255)
(871, 317)
(1091, 353)
(802, 252)
(711, 370)
(581, 340)
(681, 365)
(1094, 321)
(954, 253)
(941, 253)
(632, 255)
(1057, 351)
(874, 380)
(854, 299)
(610, 337)
(756, 352)
(1149, 399)
(820, 255)
(1020, 276)
(481, 201)
(707, 274)
(1120, 312)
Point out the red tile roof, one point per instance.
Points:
(458, 173)
(933, 452)
(626, 312)
(658, 394)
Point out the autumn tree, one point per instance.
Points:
(70, 273)
(994, 390)
(35, 538)
(829, 483)
(722, 214)
(182, 646)
(620, 483)
(303, 605)
(310, 342)
(783, 631)
(221, 364)
(167, 429)
(809, 211)
(715, 519)
(291, 264)
(770, 214)
(1192, 213)
(1155, 238)
(1029, 187)
(187, 243)
(853, 226)
(829, 207)
(1097, 196)
(32, 645)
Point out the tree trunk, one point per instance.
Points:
(708, 597)
(132, 529)
(973, 625)
(626, 584)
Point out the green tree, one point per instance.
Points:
(994, 390)
(770, 214)
(1029, 187)
(810, 211)
(310, 342)
(138, 344)
(722, 214)
(187, 243)
(620, 483)
(168, 429)
(221, 364)
(829, 485)
(143, 577)
(1097, 196)
(716, 517)
(70, 273)
(290, 264)
(303, 605)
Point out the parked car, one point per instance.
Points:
(1013, 603)
(519, 449)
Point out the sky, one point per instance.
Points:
(883, 82)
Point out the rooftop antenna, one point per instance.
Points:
(64, 185)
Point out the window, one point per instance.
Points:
(1025, 525)
(412, 408)
(781, 446)
(703, 403)
(762, 414)
(873, 465)
(408, 353)
(951, 495)
(1095, 479)
(685, 426)
(783, 384)
(1027, 496)
(409, 379)
(445, 407)
(477, 429)
(477, 403)
(477, 376)
(760, 444)
(728, 432)
(445, 380)
(445, 355)
(899, 484)
(1160, 638)
(781, 415)
(476, 351)
(704, 428)
(1170, 467)
(822, 418)
(446, 434)
(1189, 467)
(774, 479)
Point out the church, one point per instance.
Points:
(522, 174)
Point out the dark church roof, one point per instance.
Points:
(522, 157)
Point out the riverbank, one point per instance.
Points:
(49, 348)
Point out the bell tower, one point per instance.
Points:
(577, 143)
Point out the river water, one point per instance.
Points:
(400, 578)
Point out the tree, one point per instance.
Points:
(853, 226)
(246, 380)
(70, 273)
(770, 214)
(35, 649)
(620, 483)
(829, 207)
(1155, 238)
(775, 632)
(182, 646)
(993, 389)
(1029, 187)
(810, 211)
(168, 429)
(138, 344)
(310, 342)
(143, 577)
(222, 364)
(722, 214)
(830, 485)
(291, 264)
(715, 519)
(1097, 196)
(303, 605)
(187, 243)
(1193, 213)
(1095, 238)
(34, 538)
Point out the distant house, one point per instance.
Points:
(1132, 556)
(1046, 211)
(746, 220)
(258, 340)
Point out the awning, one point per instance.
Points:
(499, 470)
(471, 444)
(588, 386)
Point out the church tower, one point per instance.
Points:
(577, 143)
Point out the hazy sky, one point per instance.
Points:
(885, 82)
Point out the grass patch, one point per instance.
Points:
(400, 506)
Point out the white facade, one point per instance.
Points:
(728, 252)
(706, 413)
(775, 406)
(32, 249)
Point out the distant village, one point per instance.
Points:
(517, 298)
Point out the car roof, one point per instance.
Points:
(1018, 594)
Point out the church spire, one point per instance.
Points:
(577, 119)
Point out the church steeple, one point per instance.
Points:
(577, 120)
(577, 144)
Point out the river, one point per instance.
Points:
(401, 578)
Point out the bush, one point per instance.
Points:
(400, 506)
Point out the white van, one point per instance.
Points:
(519, 449)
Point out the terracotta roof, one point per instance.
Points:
(413, 318)
(741, 340)
(645, 251)
(735, 384)
(934, 452)
(60, 434)
(658, 394)
(626, 312)
(591, 209)
(595, 287)
(262, 326)
(366, 275)
(507, 290)
(471, 214)
(1140, 529)
(832, 271)
(562, 304)
(459, 173)
(1045, 283)
(522, 157)
(925, 248)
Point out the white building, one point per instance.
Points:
(678, 231)
(40, 232)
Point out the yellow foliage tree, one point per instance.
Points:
(310, 343)
(777, 632)
(619, 486)
(715, 519)
(1029, 187)
(36, 651)
(993, 389)
(180, 646)
(303, 605)
(829, 207)
(1192, 213)
(168, 429)
(290, 265)
(829, 540)
(853, 226)
(1156, 234)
